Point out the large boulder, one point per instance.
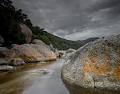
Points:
(27, 33)
(95, 65)
(33, 52)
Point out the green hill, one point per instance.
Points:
(57, 42)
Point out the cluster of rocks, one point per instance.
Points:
(95, 65)
(66, 53)
(7, 63)
(33, 51)
(25, 53)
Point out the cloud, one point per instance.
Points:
(71, 17)
(95, 32)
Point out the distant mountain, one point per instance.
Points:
(57, 42)
(83, 42)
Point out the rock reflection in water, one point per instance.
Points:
(14, 87)
(20, 81)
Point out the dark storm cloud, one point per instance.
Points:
(74, 19)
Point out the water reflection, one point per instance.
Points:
(29, 80)
(15, 86)
(20, 80)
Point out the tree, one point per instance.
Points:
(28, 23)
(20, 16)
(9, 23)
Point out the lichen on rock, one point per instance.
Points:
(95, 65)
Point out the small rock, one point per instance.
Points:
(6, 68)
(16, 62)
(3, 61)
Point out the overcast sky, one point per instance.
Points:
(74, 19)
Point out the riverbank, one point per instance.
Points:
(40, 78)
(33, 79)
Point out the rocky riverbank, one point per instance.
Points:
(26, 53)
(95, 65)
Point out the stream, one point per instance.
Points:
(39, 78)
(33, 80)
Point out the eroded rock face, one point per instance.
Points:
(95, 65)
(27, 32)
(34, 52)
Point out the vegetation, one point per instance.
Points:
(57, 42)
(10, 18)
(10, 30)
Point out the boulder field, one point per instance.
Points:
(33, 50)
(25, 53)
(95, 65)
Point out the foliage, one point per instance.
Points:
(10, 18)
(57, 42)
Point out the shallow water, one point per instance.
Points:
(31, 79)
